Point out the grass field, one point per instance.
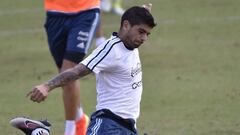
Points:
(191, 67)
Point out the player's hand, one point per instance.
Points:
(38, 93)
(148, 6)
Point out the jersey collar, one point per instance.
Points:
(115, 34)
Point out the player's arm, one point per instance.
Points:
(68, 76)
(40, 92)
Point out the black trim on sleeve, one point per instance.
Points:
(104, 48)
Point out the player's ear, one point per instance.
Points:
(126, 25)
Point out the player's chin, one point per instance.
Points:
(137, 44)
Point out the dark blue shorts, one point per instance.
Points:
(104, 122)
(70, 35)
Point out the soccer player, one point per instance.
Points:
(70, 27)
(118, 71)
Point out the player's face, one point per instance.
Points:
(137, 35)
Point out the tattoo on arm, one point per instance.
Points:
(68, 76)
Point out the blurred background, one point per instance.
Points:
(191, 67)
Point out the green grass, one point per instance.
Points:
(190, 64)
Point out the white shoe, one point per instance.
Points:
(29, 126)
(40, 131)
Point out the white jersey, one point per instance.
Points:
(118, 76)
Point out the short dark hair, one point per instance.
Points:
(138, 15)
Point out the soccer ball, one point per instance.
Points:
(40, 131)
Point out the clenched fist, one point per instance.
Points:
(39, 93)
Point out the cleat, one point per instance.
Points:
(40, 131)
(82, 125)
(28, 125)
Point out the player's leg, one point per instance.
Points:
(57, 32)
(30, 126)
(71, 98)
(81, 34)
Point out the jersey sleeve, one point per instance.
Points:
(101, 59)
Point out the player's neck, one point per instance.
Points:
(124, 39)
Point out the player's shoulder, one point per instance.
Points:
(109, 44)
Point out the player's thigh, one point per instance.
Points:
(57, 36)
(83, 31)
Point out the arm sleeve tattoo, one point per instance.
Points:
(68, 76)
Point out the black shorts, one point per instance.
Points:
(70, 35)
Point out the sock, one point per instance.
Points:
(70, 127)
(79, 113)
(100, 40)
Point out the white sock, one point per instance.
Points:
(70, 127)
(100, 40)
(79, 113)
